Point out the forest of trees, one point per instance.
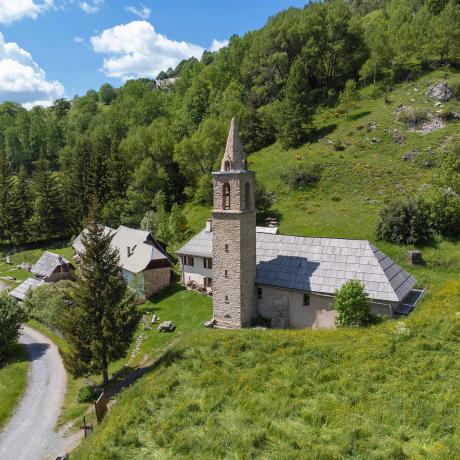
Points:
(142, 150)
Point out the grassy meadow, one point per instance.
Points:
(13, 381)
(389, 391)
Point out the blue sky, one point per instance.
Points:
(55, 48)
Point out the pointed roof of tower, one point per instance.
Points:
(234, 158)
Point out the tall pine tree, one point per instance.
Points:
(47, 219)
(5, 191)
(100, 325)
(21, 209)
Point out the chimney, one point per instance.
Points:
(209, 225)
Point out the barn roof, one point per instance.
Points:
(47, 264)
(20, 292)
(319, 264)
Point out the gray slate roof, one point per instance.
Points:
(319, 264)
(47, 264)
(29, 284)
(140, 253)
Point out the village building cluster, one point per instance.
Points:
(289, 280)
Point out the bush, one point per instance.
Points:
(352, 303)
(445, 212)
(46, 303)
(11, 317)
(411, 116)
(302, 175)
(405, 222)
(264, 198)
(86, 394)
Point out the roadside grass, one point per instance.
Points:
(13, 382)
(383, 392)
(187, 310)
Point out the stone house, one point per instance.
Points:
(290, 280)
(144, 262)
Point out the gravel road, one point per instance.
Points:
(30, 433)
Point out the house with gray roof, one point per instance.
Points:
(290, 280)
(144, 262)
(20, 292)
(52, 267)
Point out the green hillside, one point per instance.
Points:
(388, 391)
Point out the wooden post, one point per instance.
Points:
(101, 407)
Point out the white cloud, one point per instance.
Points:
(143, 12)
(78, 40)
(22, 80)
(216, 45)
(13, 10)
(137, 50)
(91, 6)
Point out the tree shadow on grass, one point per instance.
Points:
(129, 375)
(322, 132)
(359, 115)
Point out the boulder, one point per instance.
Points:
(166, 326)
(440, 91)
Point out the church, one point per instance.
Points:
(290, 281)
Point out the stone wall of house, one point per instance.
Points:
(155, 280)
(59, 276)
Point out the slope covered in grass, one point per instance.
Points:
(13, 381)
(385, 392)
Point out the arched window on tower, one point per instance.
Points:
(227, 165)
(226, 196)
(247, 196)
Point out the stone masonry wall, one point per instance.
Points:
(234, 251)
(155, 280)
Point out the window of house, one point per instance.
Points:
(208, 282)
(306, 299)
(208, 263)
(226, 196)
(247, 195)
(190, 261)
(259, 293)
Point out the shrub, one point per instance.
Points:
(411, 116)
(445, 212)
(46, 303)
(302, 175)
(405, 222)
(264, 198)
(338, 145)
(11, 317)
(352, 303)
(86, 394)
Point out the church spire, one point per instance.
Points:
(234, 159)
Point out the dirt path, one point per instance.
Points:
(30, 434)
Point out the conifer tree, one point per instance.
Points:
(5, 191)
(297, 110)
(20, 207)
(47, 216)
(100, 325)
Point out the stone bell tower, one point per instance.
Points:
(234, 238)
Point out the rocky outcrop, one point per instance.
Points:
(440, 91)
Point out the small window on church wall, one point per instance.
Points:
(247, 195)
(227, 165)
(226, 248)
(259, 293)
(306, 299)
(226, 273)
(226, 298)
(226, 196)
